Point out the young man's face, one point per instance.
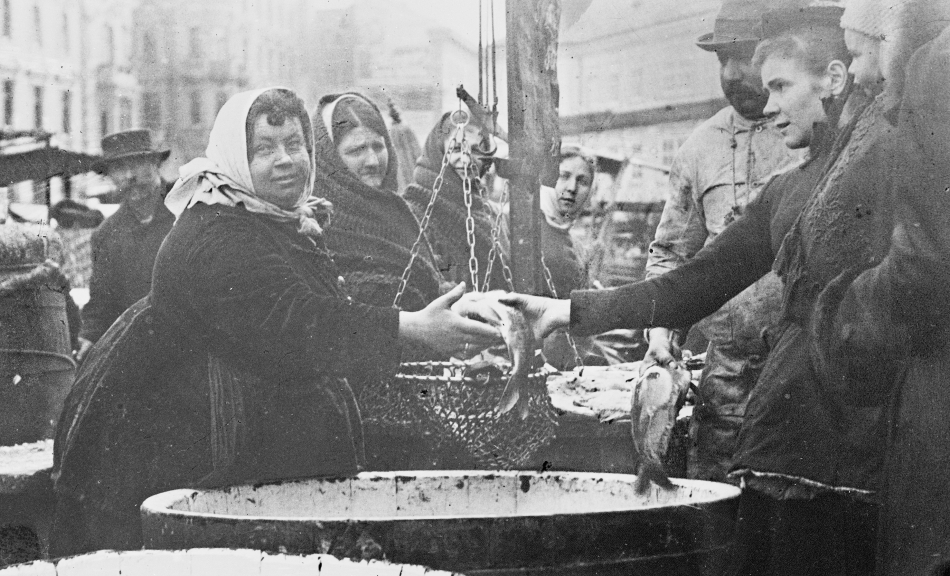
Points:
(794, 99)
(865, 61)
(741, 81)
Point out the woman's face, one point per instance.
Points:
(279, 161)
(365, 154)
(573, 186)
(458, 159)
(865, 61)
(794, 99)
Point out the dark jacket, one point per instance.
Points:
(795, 434)
(447, 227)
(567, 273)
(898, 313)
(230, 371)
(372, 230)
(123, 252)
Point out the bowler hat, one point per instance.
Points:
(128, 144)
(738, 22)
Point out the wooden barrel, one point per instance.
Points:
(495, 523)
(36, 365)
(205, 562)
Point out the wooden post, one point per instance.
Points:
(533, 128)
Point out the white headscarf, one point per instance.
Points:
(223, 176)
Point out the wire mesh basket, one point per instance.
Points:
(460, 406)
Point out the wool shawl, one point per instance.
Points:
(373, 229)
(446, 229)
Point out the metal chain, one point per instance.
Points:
(469, 219)
(550, 282)
(496, 249)
(423, 225)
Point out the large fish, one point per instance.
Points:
(658, 396)
(519, 337)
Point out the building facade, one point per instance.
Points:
(634, 84)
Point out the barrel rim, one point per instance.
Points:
(161, 504)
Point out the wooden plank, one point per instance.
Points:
(532, 34)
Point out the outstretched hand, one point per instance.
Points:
(545, 314)
(441, 328)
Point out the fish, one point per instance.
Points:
(658, 395)
(522, 345)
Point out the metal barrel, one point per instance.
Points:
(36, 366)
(472, 522)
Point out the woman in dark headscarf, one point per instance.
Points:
(233, 369)
(446, 230)
(373, 229)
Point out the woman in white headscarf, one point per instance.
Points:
(233, 368)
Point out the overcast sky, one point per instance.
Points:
(461, 16)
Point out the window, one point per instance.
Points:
(38, 25)
(67, 111)
(151, 110)
(125, 113)
(38, 107)
(195, 108)
(110, 44)
(194, 42)
(148, 47)
(7, 19)
(104, 121)
(8, 102)
(65, 33)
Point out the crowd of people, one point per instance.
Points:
(240, 318)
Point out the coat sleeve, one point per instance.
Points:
(738, 257)
(244, 289)
(682, 231)
(905, 300)
(101, 310)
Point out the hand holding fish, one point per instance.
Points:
(662, 348)
(545, 315)
(443, 330)
(657, 398)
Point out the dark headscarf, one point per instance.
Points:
(373, 229)
(446, 230)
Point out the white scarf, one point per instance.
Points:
(551, 211)
(223, 176)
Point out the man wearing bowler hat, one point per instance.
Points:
(720, 168)
(125, 245)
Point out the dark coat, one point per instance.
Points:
(123, 252)
(898, 313)
(447, 227)
(795, 436)
(567, 273)
(230, 371)
(372, 230)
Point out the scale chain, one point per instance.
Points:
(423, 225)
(469, 220)
(496, 249)
(550, 282)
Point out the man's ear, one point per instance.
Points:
(836, 75)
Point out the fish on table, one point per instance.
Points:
(657, 397)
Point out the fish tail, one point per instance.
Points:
(651, 472)
(509, 396)
(523, 406)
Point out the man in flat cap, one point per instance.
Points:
(720, 168)
(124, 247)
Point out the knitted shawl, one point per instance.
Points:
(373, 230)
(837, 228)
(446, 229)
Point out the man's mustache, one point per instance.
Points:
(743, 90)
